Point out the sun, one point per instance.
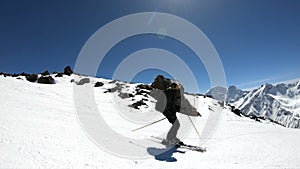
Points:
(177, 6)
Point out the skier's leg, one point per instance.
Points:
(173, 132)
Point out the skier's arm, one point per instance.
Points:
(188, 109)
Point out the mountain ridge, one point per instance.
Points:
(279, 103)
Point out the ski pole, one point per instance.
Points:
(148, 124)
(193, 123)
(194, 127)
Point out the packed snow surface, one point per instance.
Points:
(39, 129)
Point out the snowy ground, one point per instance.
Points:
(39, 129)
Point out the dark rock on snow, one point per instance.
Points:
(46, 73)
(98, 84)
(235, 111)
(83, 81)
(137, 104)
(141, 92)
(5, 74)
(46, 80)
(118, 88)
(144, 86)
(125, 95)
(68, 71)
(14, 75)
(59, 74)
(24, 74)
(113, 81)
(32, 77)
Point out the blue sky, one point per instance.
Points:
(257, 40)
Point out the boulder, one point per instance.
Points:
(141, 92)
(68, 71)
(137, 104)
(83, 81)
(32, 77)
(144, 86)
(99, 84)
(24, 74)
(235, 111)
(113, 81)
(15, 75)
(118, 88)
(46, 73)
(125, 95)
(46, 80)
(5, 74)
(59, 74)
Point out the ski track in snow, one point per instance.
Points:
(39, 129)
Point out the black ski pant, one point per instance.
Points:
(171, 116)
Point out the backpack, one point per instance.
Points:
(160, 87)
(168, 93)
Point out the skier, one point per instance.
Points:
(170, 97)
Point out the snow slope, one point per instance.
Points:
(39, 129)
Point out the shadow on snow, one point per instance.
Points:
(164, 154)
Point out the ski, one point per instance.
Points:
(192, 147)
(183, 145)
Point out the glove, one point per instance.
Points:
(198, 114)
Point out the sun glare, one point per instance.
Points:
(179, 5)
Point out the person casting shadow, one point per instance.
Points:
(170, 100)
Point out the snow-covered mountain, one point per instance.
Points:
(39, 128)
(233, 94)
(279, 103)
(217, 93)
